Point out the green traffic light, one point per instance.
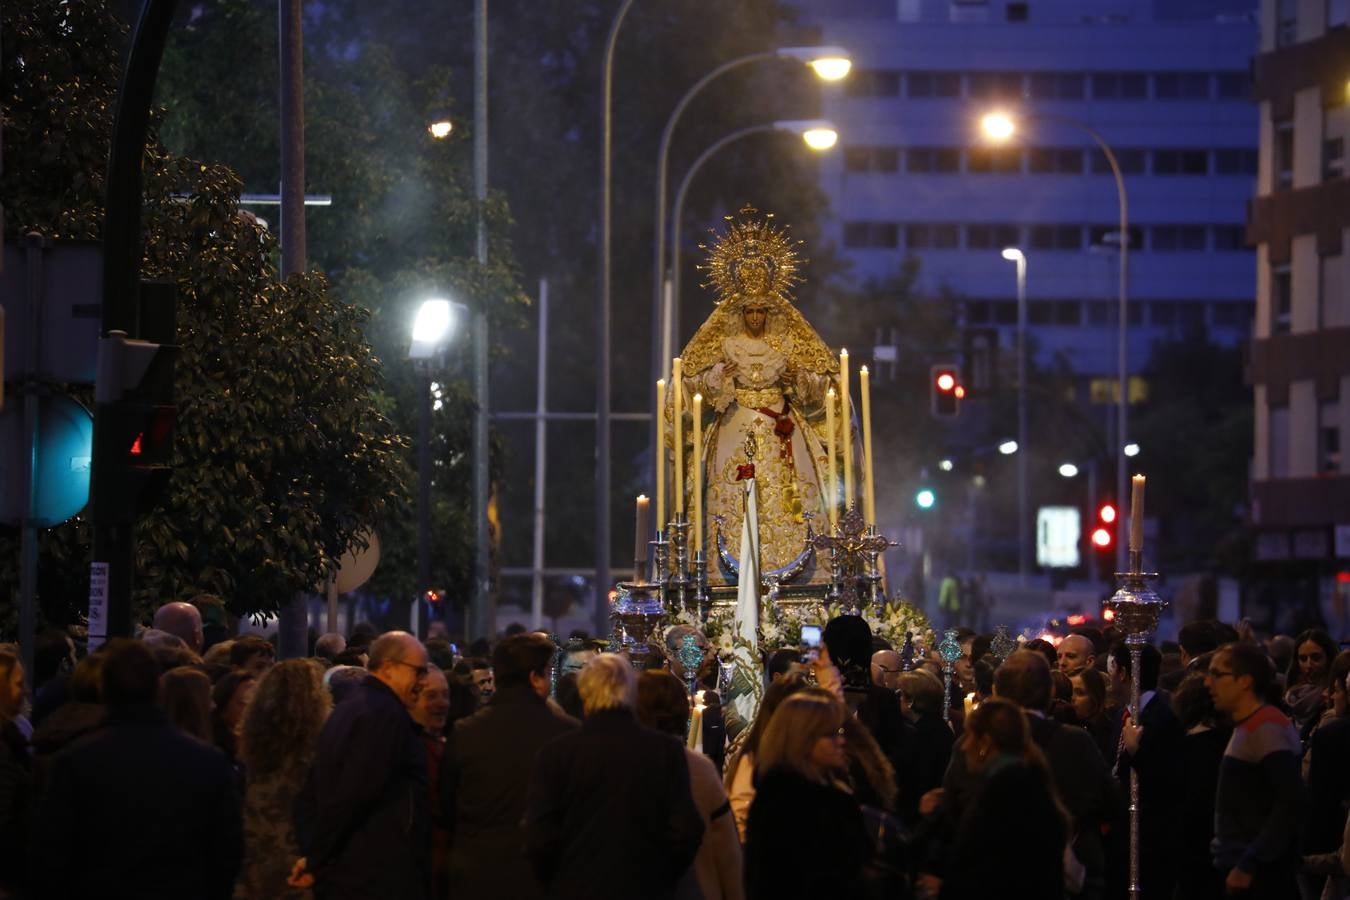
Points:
(925, 498)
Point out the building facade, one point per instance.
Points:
(1166, 85)
(1300, 356)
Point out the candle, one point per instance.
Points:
(845, 414)
(1137, 513)
(831, 473)
(698, 472)
(677, 386)
(869, 494)
(640, 540)
(661, 453)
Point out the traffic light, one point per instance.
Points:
(133, 426)
(1103, 537)
(945, 390)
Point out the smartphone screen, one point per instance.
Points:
(810, 636)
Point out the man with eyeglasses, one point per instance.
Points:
(1260, 799)
(362, 818)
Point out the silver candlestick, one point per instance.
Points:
(701, 596)
(660, 563)
(1136, 608)
(679, 580)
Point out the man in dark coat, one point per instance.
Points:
(485, 773)
(1154, 749)
(362, 819)
(610, 813)
(155, 807)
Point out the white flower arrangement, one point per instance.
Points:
(783, 627)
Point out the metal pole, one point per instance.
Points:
(1023, 562)
(484, 619)
(292, 621)
(1136, 646)
(32, 408)
(114, 558)
(661, 329)
(540, 462)
(1090, 515)
(602, 380)
(423, 492)
(1122, 360)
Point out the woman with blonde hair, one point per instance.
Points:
(277, 736)
(799, 760)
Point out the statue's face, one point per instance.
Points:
(755, 317)
(754, 277)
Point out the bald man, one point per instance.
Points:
(362, 819)
(1076, 653)
(182, 620)
(886, 669)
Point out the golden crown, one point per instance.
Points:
(751, 240)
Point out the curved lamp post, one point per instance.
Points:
(1014, 255)
(1000, 126)
(817, 134)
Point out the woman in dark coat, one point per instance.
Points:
(990, 857)
(797, 800)
(1207, 735)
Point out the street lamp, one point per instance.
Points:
(817, 134)
(1068, 470)
(432, 328)
(1013, 254)
(1131, 449)
(440, 127)
(1000, 126)
(1008, 448)
(828, 64)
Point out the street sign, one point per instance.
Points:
(98, 605)
(64, 444)
(1058, 531)
(66, 288)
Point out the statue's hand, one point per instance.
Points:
(729, 368)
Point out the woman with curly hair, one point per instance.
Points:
(276, 743)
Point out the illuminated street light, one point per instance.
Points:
(430, 328)
(1068, 470)
(440, 128)
(946, 465)
(1131, 449)
(1008, 448)
(829, 63)
(1000, 127)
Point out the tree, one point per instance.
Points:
(282, 455)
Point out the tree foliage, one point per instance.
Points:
(282, 455)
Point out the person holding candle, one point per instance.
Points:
(763, 374)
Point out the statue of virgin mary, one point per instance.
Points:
(764, 374)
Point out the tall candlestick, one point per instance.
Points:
(869, 493)
(698, 472)
(1137, 513)
(640, 539)
(677, 385)
(831, 473)
(661, 453)
(846, 415)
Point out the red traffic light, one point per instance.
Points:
(1101, 537)
(1106, 513)
(946, 381)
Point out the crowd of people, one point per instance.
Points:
(186, 763)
